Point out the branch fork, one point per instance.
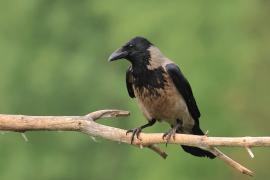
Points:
(87, 124)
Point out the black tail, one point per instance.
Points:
(195, 150)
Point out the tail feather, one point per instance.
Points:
(195, 150)
(198, 152)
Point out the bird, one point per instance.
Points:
(162, 92)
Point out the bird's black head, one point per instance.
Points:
(136, 51)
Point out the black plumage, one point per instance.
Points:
(162, 91)
(129, 83)
(184, 89)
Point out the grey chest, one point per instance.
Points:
(162, 103)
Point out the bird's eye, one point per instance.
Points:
(130, 45)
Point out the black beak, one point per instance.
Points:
(118, 54)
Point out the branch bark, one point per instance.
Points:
(87, 124)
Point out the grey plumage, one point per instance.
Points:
(161, 90)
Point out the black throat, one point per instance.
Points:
(150, 79)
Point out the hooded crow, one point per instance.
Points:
(161, 90)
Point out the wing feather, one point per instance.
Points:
(184, 89)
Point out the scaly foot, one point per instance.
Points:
(135, 131)
(167, 135)
(172, 131)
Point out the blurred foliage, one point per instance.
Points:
(53, 61)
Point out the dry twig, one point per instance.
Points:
(86, 124)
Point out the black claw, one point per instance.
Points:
(135, 131)
(164, 135)
(168, 135)
(128, 131)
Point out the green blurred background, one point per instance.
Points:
(53, 61)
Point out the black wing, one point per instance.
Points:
(129, 83)
(184, 89)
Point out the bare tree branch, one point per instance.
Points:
(86, 124)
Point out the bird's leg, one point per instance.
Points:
(172, 131)
(137, 131)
